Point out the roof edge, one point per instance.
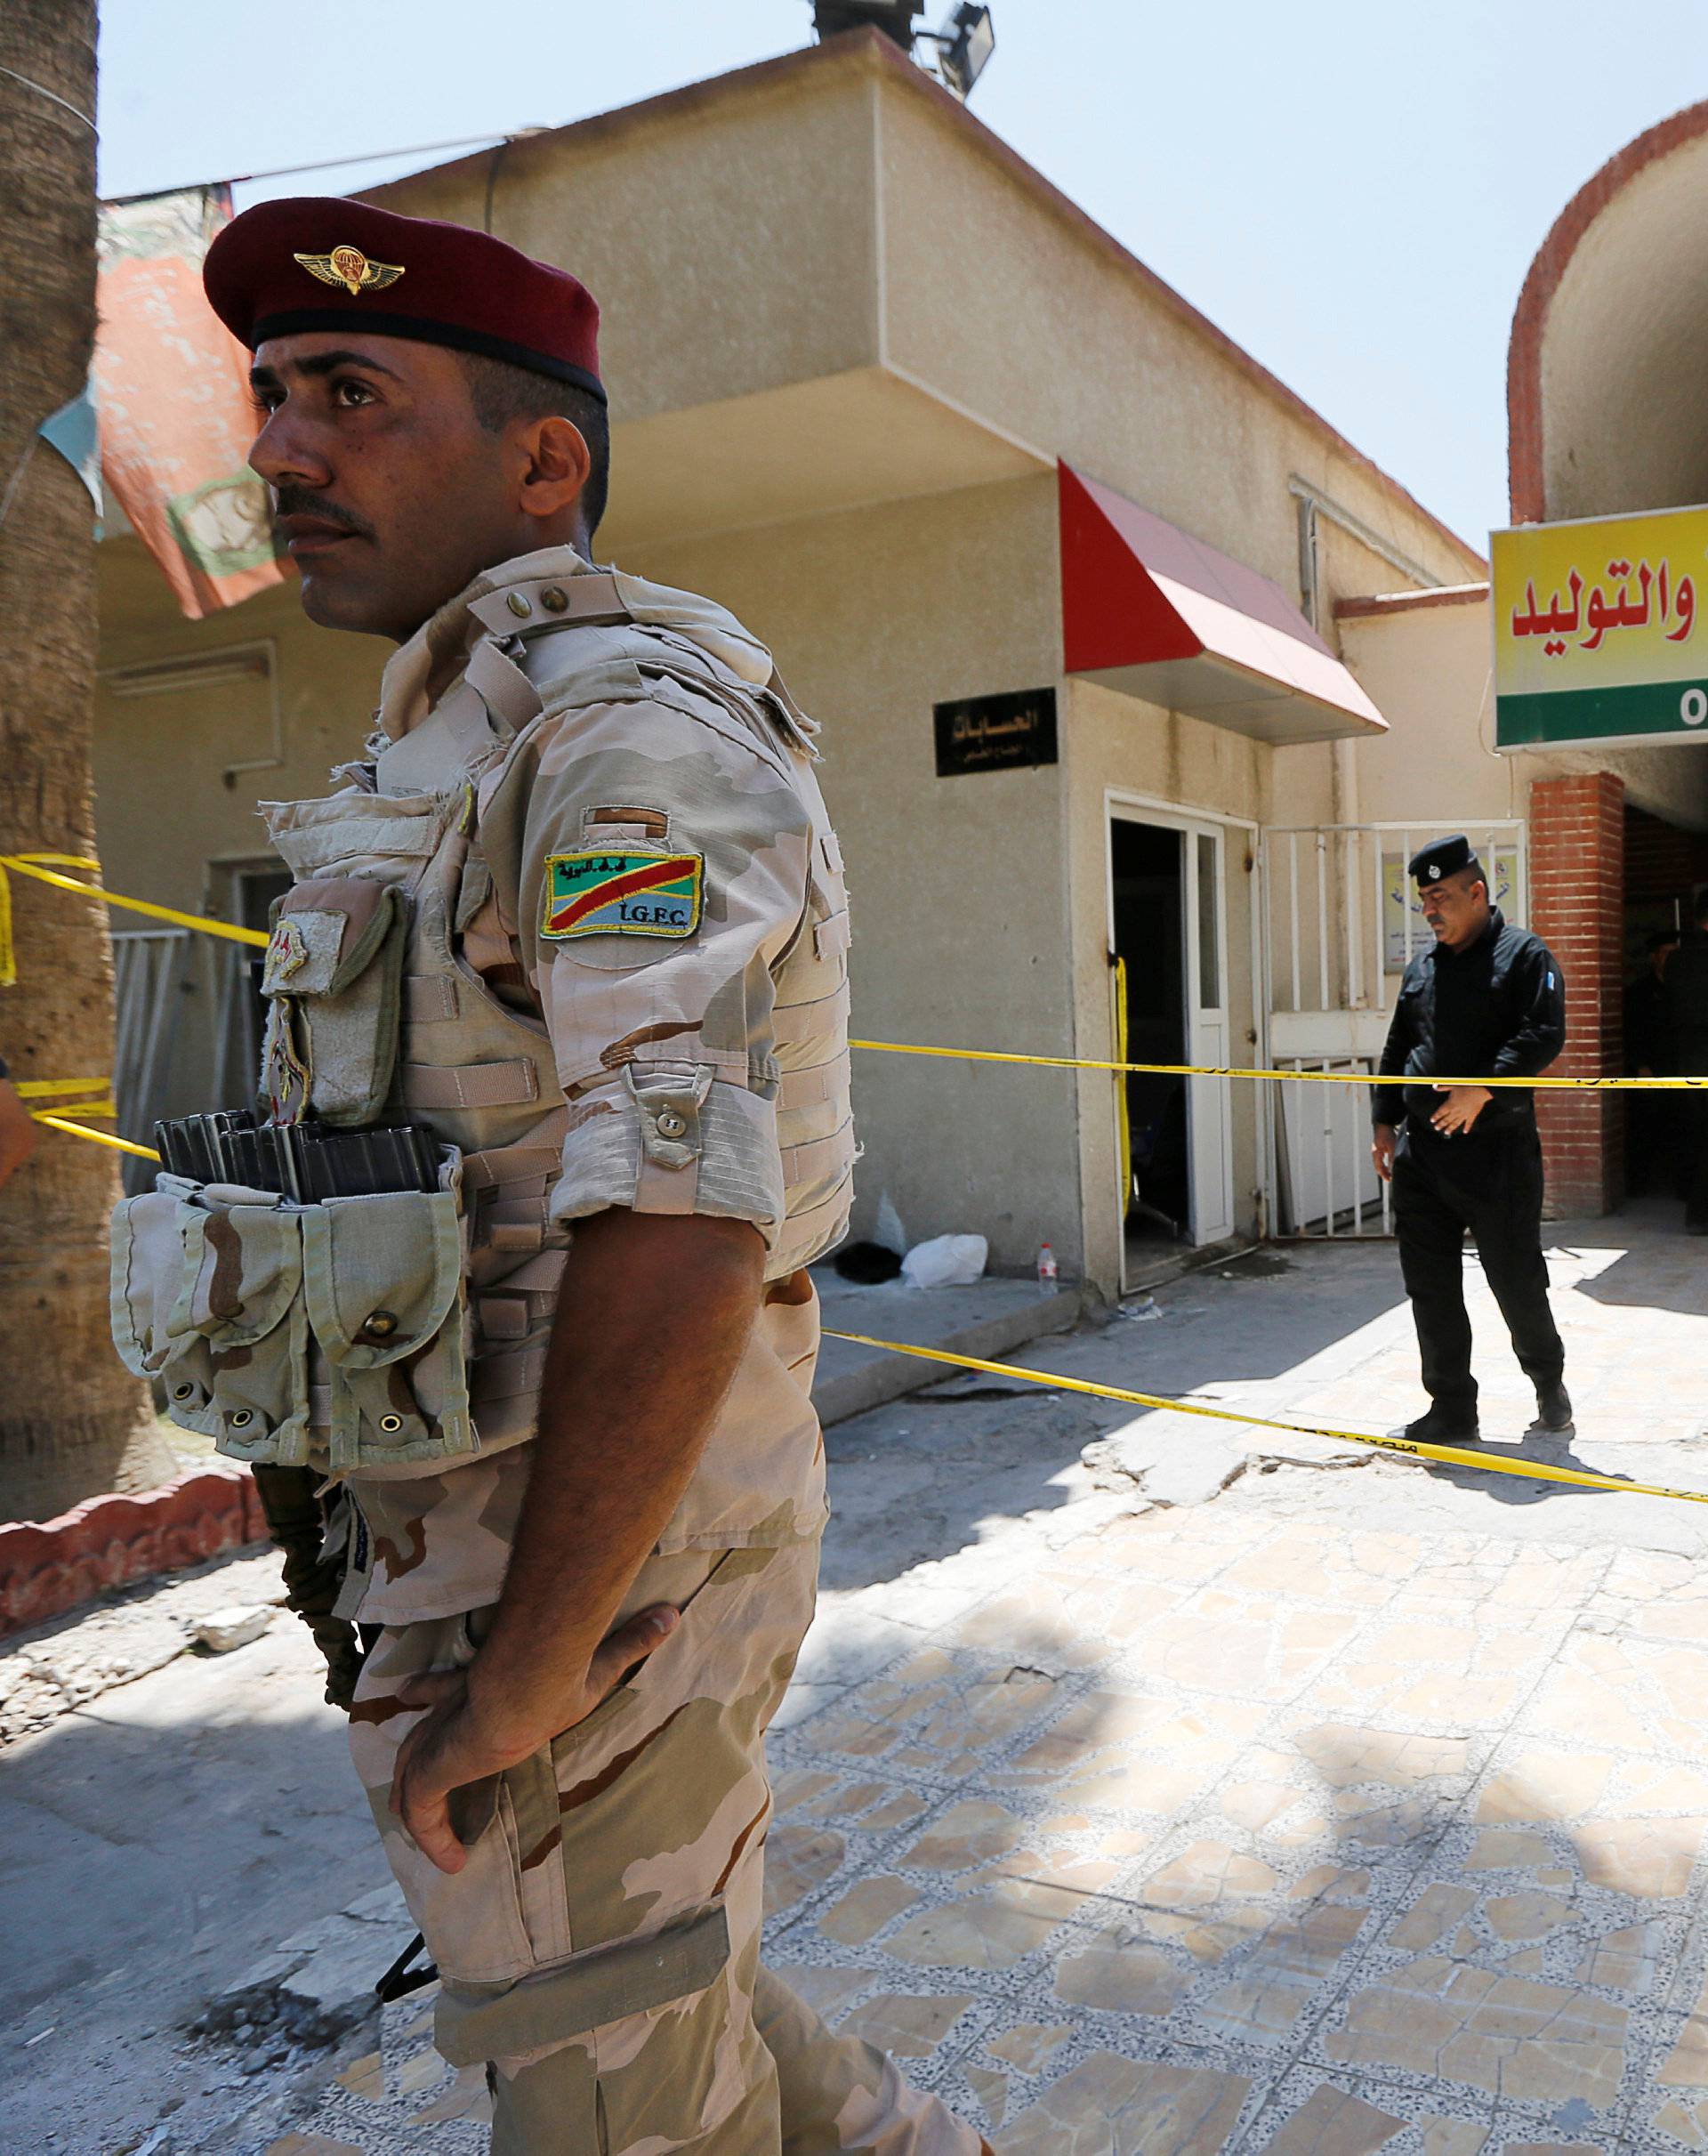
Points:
(1378, 605)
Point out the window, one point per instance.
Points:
(1209, 947)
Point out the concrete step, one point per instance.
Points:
(991, 1318)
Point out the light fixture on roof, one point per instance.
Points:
(964, 44)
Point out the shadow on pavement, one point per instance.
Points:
(918, 1480)
(1658, 1266)
(1539, 1449)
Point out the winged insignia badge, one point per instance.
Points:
(351, 269)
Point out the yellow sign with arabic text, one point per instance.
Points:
(1601, 630)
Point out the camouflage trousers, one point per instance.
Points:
(601, 1947)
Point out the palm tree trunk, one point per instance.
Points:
(73, 1422)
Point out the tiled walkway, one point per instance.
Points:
(1218, 1833)
(1221, 1834)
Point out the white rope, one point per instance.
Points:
(52, 97)
(17, 478)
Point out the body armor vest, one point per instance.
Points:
(397, 1332)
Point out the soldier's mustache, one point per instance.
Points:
(301, 501)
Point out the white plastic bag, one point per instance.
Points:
(946, 1261)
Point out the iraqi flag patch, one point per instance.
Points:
(612, 891)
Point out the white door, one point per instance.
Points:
(1209, 1126)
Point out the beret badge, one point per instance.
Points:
(351, 269)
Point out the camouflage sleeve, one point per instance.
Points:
(663, 872)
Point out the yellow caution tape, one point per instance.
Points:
(1453, 1454)
(1318, 1077)
(101, 1137)
(25, 864)
(33, 1089)
(8, 955)
(1123, 1105)
(29, 864)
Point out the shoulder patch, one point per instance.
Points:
(618, 891)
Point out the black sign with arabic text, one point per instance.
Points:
(996, 733)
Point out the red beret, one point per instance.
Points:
(319, 262)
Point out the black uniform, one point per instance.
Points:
(1686, 1002)
(1651, 1126)
(1496, 1009)
(1649, 1031)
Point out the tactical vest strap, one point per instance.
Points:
(547, 603)
(797, 1021)
(502, 687)
(428, 998)
(506, 1085)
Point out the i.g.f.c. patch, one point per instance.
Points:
(613, 891)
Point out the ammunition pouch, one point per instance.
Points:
(295, 1334)
(333, 978)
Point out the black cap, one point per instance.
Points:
(1446, 857)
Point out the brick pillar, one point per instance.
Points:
(1577, 861)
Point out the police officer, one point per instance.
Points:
(578, 911)
(1486, 1000)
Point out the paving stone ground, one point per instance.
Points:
(1322, 1809)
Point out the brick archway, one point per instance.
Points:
(1526, 467)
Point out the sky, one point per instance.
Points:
(1353, 191)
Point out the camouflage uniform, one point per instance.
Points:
(609, 819)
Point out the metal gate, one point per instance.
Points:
(184, 1018)
(1341, 922)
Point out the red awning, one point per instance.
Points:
(1147, 609)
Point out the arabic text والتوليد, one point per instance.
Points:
(1602, 614)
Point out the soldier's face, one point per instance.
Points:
(1455, 908)
(387, 493)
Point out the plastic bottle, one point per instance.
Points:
(1047, 1270)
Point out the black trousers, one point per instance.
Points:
(1493, 1186)
(1693, 1120)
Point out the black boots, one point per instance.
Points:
(1554, 1406)
(1446, 1427)
(1449, 1425)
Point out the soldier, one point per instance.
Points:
(579, 915)
(1487, 1000)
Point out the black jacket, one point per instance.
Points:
(1495, 1010)
(1686, 1005)
(1648, 1029)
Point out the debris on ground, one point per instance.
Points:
(314, 1987)
(946, 1261)
(66, 1663)
(222, 1630)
